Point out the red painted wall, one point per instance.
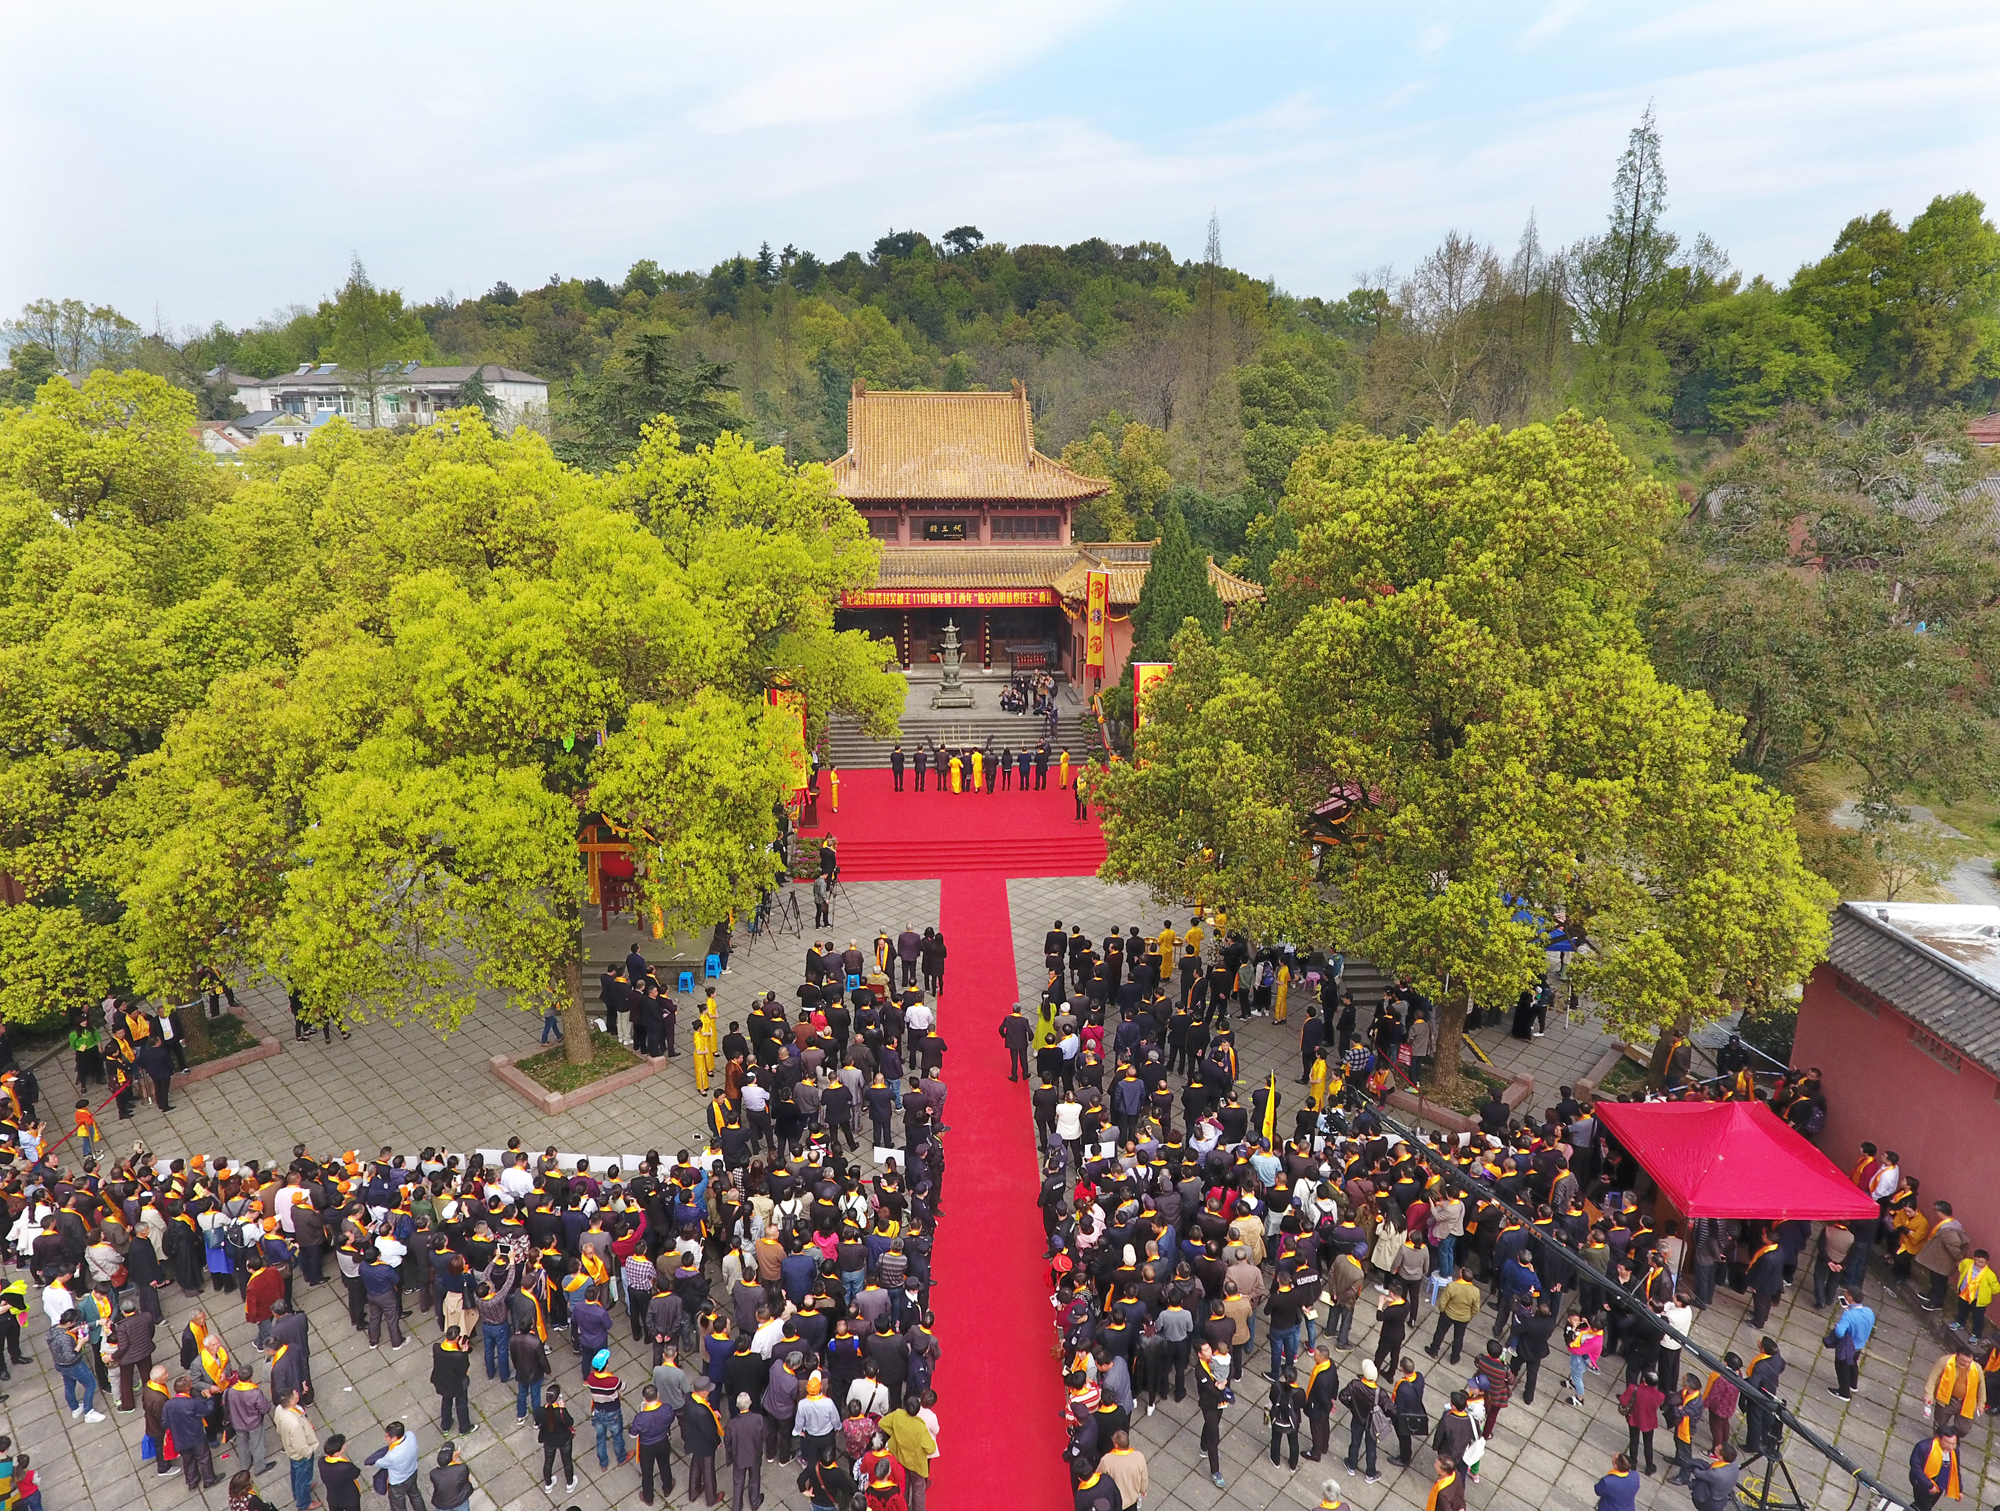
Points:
(1881, 1087)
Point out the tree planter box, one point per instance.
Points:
(555, 1103)
(1586, 1089)
(1517, 1092)
(264, 1049)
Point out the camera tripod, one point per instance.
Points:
(1762, 1494)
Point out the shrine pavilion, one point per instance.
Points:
(975, 525)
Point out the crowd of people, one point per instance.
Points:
(777, 1293)
(1181, 1211)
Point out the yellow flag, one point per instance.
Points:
(1271, 1110)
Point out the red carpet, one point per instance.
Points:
(885, 835)
(999, 1399)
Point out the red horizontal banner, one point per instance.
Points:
(952, 598)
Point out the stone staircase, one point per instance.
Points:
(850, 749)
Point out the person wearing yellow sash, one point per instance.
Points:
(1978, 1285)
(957, 773)
(1686, 1406)
(1956, 1391)
(1448, 1489)
(1934, 1470)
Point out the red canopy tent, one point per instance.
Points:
(1732, 1160)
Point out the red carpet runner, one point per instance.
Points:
(999, 1399)
(885, 835)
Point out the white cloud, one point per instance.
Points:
(224, 178)
(1559, 15)
(1433, 38)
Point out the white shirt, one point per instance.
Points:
(1886, 1180)
(282, 1204)
(56, 1300)
(1069, 1120)
(1679, 1318)
(870, 1397)
(516, 1182)
(919, 1018)
(390, 1251)
(766, 1337)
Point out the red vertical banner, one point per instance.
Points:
(794, 703)
(1096, 618)
(1144, 675)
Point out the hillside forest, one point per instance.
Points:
(1818, 423)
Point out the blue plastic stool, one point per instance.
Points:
(711, 968)
(687, 981)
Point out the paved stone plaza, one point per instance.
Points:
(407, 1088)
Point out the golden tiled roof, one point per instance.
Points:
(1062, 568)
(910, 447)
(1128, 563)
(972, 566)
(1231, 589)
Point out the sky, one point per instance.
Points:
(223, 162)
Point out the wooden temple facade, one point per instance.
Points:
(976, 528)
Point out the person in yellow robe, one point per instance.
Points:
(978, 770)
(704, 1047)
(1062, 772)
(957, 774)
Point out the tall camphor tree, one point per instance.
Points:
(1452, 651)
(407, 795)
(120, 602)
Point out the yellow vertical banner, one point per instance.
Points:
(1144, 675)
(794, 701)
(1096, 617)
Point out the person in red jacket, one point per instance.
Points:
(1641, 1404)
(265, 1285)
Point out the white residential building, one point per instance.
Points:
(407, 393)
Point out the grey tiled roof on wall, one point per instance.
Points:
(1925, 985)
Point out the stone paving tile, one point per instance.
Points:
(409, 1087)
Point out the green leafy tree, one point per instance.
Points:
(1835, 588)
(384, 811)
(1176, 589)
(29, 365)
(475, 393)
(371, 331)
(644, 380)
(117, 612)
(1738, 361)
(81, 337)
(1451, 659)
(1915, 314)
(1136, 465)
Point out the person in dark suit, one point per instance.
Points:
(896, 764)
(1004, 768)
(1042, 766)
(154, 1062)
(635, 965)
(922, 760)
(611, 992)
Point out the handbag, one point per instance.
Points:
(1416, 1423)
